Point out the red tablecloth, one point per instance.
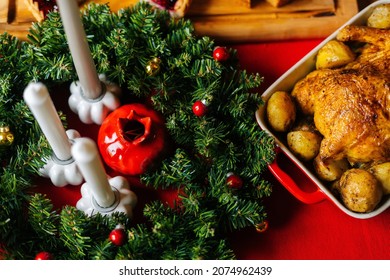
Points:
(296, 231)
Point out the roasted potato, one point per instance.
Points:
(360, 191)
(281, 111)
(382, 174)
(330, 170)
(334, 54)
(380, 17)
(304, 144)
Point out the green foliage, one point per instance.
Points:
(205, 149)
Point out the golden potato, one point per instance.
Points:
(334, 54)
(360, 191)
(304, 144)
(281, 111)
(382, 174)
(380, 17)
(330, 170)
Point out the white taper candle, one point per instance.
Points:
(79, 48)
(86, 156)
(38, 100)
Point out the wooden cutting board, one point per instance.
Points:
(226, 20)
(298, 20)
(260, 7)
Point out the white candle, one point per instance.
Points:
(78, 45)
(38, 100)
(86, 156)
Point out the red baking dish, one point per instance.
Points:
(278, 168)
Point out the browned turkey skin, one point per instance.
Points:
(351, 105)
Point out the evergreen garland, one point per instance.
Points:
(226, 140)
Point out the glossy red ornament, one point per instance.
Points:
(132, 139)
(43, 256)
(234, 181)
(199, 108)
(221, 54)
(262, 227)
(118, 236)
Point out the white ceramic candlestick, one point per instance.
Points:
(100, 193)
(61, 167)
(90, 97)
(94, 111)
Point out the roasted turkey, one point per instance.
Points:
(351, 105)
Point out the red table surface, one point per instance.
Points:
(296, 231)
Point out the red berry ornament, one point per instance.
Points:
(43, 256)
(132, 139)
(199, 108)
(118, 236)
(234, 181)
(221, 54)
(262, 227)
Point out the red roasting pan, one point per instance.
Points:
(277, 168)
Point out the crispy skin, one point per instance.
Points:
(351, 105)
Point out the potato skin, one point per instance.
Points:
(380, 17)
(334, 54)
(330, 170)
(304, 144)
(360, 190)
(281, 111)
(382, 174)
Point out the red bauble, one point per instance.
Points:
(221, 54)
(262, 227)
(43, 256)
(234, 181)
(118, 236)
(199, 108)
(132, 139)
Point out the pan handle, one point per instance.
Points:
(285, 179)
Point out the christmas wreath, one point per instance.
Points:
(208, 103)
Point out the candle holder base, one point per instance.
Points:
(125, 199)
(63, 172)
(94, 110)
